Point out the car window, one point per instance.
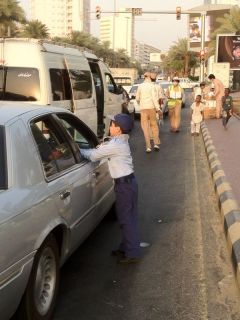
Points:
(133, 89)
(3, 168)
(78, 131)
(54, 150)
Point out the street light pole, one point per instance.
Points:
(114, 26)
(202, 62)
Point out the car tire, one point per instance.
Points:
(40, 295)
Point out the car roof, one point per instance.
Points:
(11, 110)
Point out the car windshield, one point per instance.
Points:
(3, 175)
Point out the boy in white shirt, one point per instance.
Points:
(196, 115)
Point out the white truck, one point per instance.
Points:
(47, 73)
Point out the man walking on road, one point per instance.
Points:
(219, 93)
(147, 97)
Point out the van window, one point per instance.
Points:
(112, 87)
(60, 84)
(81, 83)
(19, 84)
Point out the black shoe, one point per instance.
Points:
(127, 260)
(117, 253)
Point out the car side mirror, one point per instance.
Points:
(120, 89)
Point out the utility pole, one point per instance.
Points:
(114, 25)
(202, 61)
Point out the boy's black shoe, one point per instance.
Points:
(118, 253)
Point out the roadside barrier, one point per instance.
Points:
(229, 208)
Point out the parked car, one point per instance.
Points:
(186, 83)
(51, 198)
(49, 73)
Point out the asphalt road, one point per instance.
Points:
(185, 273)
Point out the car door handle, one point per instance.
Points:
(64, 194)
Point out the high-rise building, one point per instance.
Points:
(118, 30)
(62, 16)
(143, 51)
(232, 2)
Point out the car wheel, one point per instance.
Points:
(40, 296)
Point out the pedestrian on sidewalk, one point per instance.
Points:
(147, 98)
(117, 152)
(175, 95)
(196, 115)
(227, 107)
(219, 93)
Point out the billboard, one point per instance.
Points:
(228, 50)
(195, 31)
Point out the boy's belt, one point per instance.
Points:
(127, 178)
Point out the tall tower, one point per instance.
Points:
(118, 30)
(62, 16)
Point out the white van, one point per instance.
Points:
(61, 75)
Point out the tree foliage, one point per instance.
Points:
(11, 13)
(229, 23)
(35, 29)
(179, 59)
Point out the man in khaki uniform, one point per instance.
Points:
(147, 98)
(219, 93)
(175, 95)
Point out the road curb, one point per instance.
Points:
(229, 208)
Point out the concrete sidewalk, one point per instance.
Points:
(222, 148)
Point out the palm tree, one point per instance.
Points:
(179, 59)
(10, 14)
(35, 29)
(229, 23)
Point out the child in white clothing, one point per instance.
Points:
(197, 115)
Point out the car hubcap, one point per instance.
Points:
(45, 281)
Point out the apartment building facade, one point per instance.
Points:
(118, 30)
(62, 16)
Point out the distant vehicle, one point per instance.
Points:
(135, 105)
(51, 199)
(186, 83)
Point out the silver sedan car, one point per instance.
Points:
(51, 198)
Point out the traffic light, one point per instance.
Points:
(202, 55)
(98, 12)
(178, 13)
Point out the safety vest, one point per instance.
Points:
(175, 94)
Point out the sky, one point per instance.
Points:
(156, 30)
